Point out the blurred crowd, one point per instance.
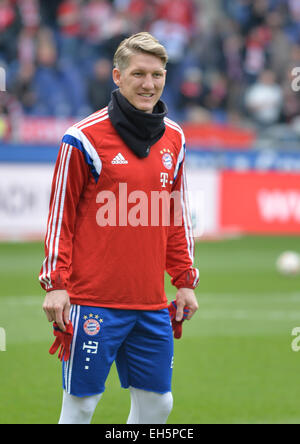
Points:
(230, 61)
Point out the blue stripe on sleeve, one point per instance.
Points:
(71, 140)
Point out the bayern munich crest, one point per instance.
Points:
(167, 158)
(92, 325)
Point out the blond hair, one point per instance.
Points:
(143, 42)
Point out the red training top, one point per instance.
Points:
(114, 227)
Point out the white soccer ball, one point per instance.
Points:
(288, 263)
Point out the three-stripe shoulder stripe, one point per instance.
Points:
(184, 197)
(56, 216)
(188, 226)
(75, 137)
(95, 116)
(93, 119)
(174, 125)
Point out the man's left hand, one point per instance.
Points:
(186, 297)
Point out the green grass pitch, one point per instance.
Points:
(234, 363)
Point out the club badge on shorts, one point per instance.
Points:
(92, 325)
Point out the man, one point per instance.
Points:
(105, 257)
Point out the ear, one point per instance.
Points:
(116, 75)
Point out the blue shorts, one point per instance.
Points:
(140, 342)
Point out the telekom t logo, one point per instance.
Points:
(91, 346)
(2, 340)
(164, 178)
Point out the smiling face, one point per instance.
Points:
(142, 82)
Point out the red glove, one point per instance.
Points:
(63, 339)
(177, 325)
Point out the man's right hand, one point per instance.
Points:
(57, 307)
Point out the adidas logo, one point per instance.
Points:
(119, 159)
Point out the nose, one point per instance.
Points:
(148, 83)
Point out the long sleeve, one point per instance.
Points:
(180, 247)
(70, 177)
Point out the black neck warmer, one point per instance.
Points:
(139, 130)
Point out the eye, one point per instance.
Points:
(157, 75)
(137, 74)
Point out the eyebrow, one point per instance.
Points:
(158, 70)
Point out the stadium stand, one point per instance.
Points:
(223, 54)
